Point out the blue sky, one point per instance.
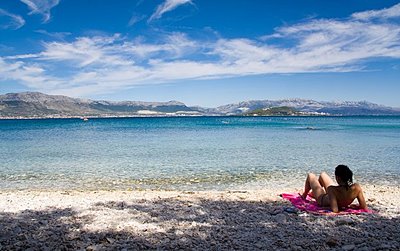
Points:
(206, 53)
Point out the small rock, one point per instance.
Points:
(332, 242)
(280, 218)
(17, 230)
(154, 214)
(259, 245)
(110, 240)
(179, 232)
(385, 246)
(348, 247)
(92, 248)
(344, 221)
(43, 222)
(275, 211)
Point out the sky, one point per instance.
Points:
(202, 52)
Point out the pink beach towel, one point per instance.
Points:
(311, 206)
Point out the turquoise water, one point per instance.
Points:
(194, 153)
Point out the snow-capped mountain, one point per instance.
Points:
(306, 105)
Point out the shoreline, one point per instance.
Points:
(149, 219)
(191, 116)
(289, 187)
(384, 195)
(295, 184)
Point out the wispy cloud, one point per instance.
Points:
(41, 7)
(10, 21)
(102, 64)
(135, 19)
(85, 52)
(55, 35)
(392, 12)
(167, 6)
(5, 48)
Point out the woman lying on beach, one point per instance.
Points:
(328, 194)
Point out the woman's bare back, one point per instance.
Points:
(342, 196)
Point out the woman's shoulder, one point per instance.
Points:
(356, 187)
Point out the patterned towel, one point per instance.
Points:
(311, 206)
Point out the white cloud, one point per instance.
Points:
(167, 6)
(22, 56)
(173, 46)
(392, 12)
(135, 19)
(102, 64)
(10, 21)
(332, 42)
(84, 52)
(41, 7)
(56, 35)
(30, 74)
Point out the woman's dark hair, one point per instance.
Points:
(345, 174)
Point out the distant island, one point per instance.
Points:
(282, 111)
(27, 105)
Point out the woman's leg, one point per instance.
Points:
(307, 186)
(313, 184)
(325, 180)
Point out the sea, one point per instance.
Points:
(194, 153)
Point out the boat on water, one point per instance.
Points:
(84, 118)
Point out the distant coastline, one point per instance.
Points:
(183, 116)
(35, 105)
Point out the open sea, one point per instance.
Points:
(194, 153)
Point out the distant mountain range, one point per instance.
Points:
(345, 108)
(39, 105)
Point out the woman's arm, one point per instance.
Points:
(361, 199)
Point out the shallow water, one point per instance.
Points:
(194, 153)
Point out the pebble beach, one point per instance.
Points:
(202, 220)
